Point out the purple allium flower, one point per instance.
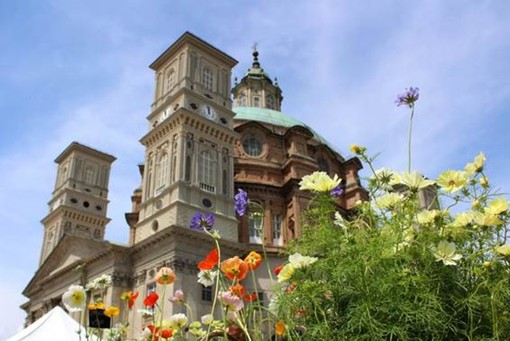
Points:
(241, 202)
(336, 192)
(408, 98)
(202, 222)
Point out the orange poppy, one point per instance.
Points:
(165, 276)
(151, 300)
(130, 297)
(280, 328)
(234, 268)
(237, 290)
(253, 260)
(209, 261)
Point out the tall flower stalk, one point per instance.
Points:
(408, 98)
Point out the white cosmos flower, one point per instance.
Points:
(299, 261)
(445, 251)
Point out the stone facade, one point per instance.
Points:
(199, 149)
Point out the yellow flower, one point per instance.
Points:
(486, 219)
(503, 250)
(388, 200)
(99, 305)
(286, 273)
(476, 166)
(484, 181)
(412, 180)
(463, 219)
(319, 182)
(357, 149)
(445, 252)
(497, 206)
(451, 181)
(427, 216)
(112, 311)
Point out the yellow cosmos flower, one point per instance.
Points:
(319, 182)
(112, 311)
(463, 219)
(286, 273)
(388, 200)
(476, 166)
(412, 180)
(497, 206)
(503, 250)
(452, 181)
(445, 252)
(486, 219)
(427, 216)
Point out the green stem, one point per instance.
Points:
(410, 134)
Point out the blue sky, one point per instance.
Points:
(78, 71)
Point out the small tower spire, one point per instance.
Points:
(256, 63)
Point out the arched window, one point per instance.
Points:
(242, 101)
(207, 171)
(256, 101)
(161, 171)
(323, 165)
(255, 227)
(270, 103)
(170, 80)
(252, 146)
(207, 79)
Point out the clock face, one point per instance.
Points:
(208, 112)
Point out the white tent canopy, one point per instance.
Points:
(56, 325)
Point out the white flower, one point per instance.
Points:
(178, 321)
(146, 312)
(445, 252)
(207, 277)
(207, 319)
(75, 298)
(299, 261)
(146, 334)
(340, 221)
(101, 282)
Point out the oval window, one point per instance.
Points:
(252, 146)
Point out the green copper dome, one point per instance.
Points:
(276, 118)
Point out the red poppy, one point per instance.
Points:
(151, 300)
(237, 290)
(279, 268)
(210, 261)
(167, 333)
(251, 297)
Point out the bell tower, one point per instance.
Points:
(188, 164)
(79, 202)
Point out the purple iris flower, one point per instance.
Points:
(240, 202)
(336, 192)
(408, 98)
(201, 222)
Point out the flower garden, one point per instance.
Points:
(423, 259)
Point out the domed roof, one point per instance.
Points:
(276, 118)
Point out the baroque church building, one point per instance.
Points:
(205, 139)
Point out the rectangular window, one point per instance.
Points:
(277, 230)
(255, 227)
(207, 294)
(207, 79)
(256, 101)
(151, 287)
